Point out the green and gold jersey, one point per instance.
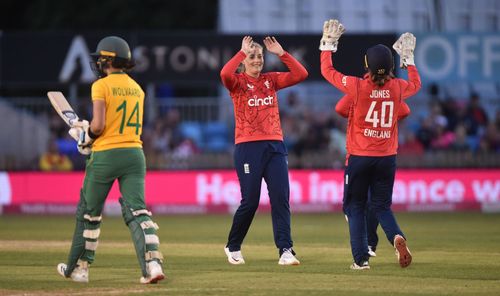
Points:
(124, 100)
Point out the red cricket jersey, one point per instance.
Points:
(345, 103)
(372, 128)
(255, 100)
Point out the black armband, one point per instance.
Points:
(92, 135)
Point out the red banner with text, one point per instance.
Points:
(218, 191)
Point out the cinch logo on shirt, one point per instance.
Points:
(255, 102)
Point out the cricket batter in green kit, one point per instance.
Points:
(112, 140)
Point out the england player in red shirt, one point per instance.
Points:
(260, 151)
(342, 108)
(372, 136)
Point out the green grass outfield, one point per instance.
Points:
(454, 254)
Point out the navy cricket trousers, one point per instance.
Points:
(255, 161)
(371, 226)
(375, 175)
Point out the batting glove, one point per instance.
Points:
(81, 129)
(82, 123)
(405, 47)
(84, 139)
(85, 150)
(74, 132)
(332, 30)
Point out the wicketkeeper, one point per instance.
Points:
(112, 141)
(372, 136)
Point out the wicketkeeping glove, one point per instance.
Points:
(405, 47)
(332, 30)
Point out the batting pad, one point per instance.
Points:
(143, 232)
(78, 244)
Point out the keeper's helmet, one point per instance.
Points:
(379, 60)
(114, 51)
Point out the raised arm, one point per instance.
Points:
(413, 85)
(227, 74)
(332, 30)
(297, 72)
(342, 82)
(405, 47)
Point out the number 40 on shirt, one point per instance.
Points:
(386, 114)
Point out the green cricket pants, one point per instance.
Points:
(127, 165)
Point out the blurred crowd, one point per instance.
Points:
(443, 124)
(454, 125)
(437, 125)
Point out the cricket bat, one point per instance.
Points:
(65, 111)
(62, 107)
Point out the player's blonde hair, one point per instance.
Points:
(241, 67)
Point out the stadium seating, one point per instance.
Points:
(215, 135)
(209, 136)
(192, 130)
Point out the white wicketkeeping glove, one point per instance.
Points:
(332, 30)
(405, 47)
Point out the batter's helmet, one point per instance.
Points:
(111, 49)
